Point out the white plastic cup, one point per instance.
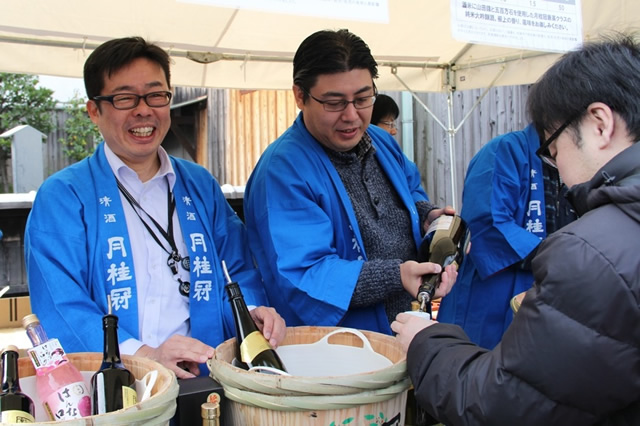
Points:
(425, 315)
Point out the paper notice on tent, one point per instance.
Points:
(351, 10)
(546, 25)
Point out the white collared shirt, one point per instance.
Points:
(162, 310)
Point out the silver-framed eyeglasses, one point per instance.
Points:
(390, 124)
(131, 100)
(362, 102)
(544, 153)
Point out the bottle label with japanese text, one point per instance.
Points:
(69, 402)
(47, 356)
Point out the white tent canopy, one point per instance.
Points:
(253, 50)
(224, 47)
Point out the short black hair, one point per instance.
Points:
(606, 71)
(330, 52)
(115, 54)
(383, 107)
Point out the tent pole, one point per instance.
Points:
(407, 125)
(451, 130)
(477, 102)
(451, 134)
(394, 71)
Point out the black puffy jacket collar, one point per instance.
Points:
(622, 170)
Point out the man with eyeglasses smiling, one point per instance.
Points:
(571, 354)
(132, 227)
(334, 209)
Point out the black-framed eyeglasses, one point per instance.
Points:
(390, 124)
(544, 153)
(362, 102)
(131, 100)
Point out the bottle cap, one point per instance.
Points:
(9, 348)
(233, 290)
(210, 410)
(29, 319)
(109, 320)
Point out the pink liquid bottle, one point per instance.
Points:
(60, 386)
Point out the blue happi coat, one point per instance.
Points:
(77, 252)
(503, 204)
(304, 233)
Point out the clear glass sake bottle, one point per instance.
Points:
(60, 386)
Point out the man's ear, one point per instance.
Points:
(94, 111)
(298, 94)
(602, 121)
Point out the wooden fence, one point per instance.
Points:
(501, 110)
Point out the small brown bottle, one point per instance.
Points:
(15, 405)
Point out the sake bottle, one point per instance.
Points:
(113, 387)
(252, 349)
(60, 386)
(15, 406)
(445, 243)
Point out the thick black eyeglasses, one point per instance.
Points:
(341, 105)
(131, 100)
(544, 153)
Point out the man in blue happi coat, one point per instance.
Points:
(511, 201)
(137, 232)
(334, 209)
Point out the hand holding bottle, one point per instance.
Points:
(446, 242)
(252, 349)
(180, 354)
(411, 273)
(270, 323)
(436, 213)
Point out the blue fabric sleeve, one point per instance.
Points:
(299, 245)
(494, 204)
(58, 254)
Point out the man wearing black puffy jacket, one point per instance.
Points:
(572, 353)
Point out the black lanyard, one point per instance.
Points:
(174, 256)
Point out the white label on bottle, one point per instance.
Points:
(441, 222)
(69, 402)
(100, 401)
(16, 416)
(47, 356)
